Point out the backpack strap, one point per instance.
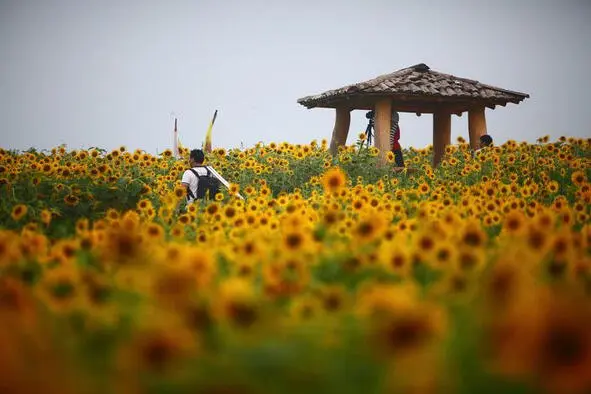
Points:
(193, 196)
(197, 175)
(188, 189)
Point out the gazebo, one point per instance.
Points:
(417, 89)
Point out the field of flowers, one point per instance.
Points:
(332, 275)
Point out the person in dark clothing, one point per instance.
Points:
(394, 140)
(394, 135)
(198, 177)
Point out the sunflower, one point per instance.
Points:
(552, 187)
(237, 303)
(15, 299)
(509, 283)
(201, 265)
(235, 189)
(469, 260)
(250, 249)
(294, 239)
(549, 340)
(514, 222)
(369, 228)
(47, 168)
(443, 255)
(305, 309)
(211, 209)
(358, 204)
(18, 212)
(423, 188)
(333, 298)
(578, 178)
(390, 157)
(333, 180)
(123, 246)
(409, 333)
(457, 285)
(473, 236)
(394, 257)
(146, 189)
(537, 238)
(230, 212)
(180, 191)
(184, 219)
(172, 285)
(112, 214)
(177, 231)
(159, 347)
(144, 204)
(331, 217)
(60, 288)
(82, 225)
(165, 213)
(425, 244)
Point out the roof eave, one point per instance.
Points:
(411, 100)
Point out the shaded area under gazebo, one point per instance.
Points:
(416, 89)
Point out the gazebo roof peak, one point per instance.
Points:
(417, 88)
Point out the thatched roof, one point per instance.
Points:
(416, 89)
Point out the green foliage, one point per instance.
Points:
(92, 200)
(332, 352)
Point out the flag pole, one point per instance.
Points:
(207, 145)
(175, 146)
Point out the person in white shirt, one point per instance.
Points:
(190, 179)
(485, 141)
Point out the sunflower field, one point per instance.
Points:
(330, 275)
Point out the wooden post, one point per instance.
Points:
(341, 129)
(441, 135)
(476, 126)
(383, 120)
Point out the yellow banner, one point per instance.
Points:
(207, 147)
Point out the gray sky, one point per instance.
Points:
(111, 73)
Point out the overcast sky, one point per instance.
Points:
(88, 73)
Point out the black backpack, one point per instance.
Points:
(207, 183)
